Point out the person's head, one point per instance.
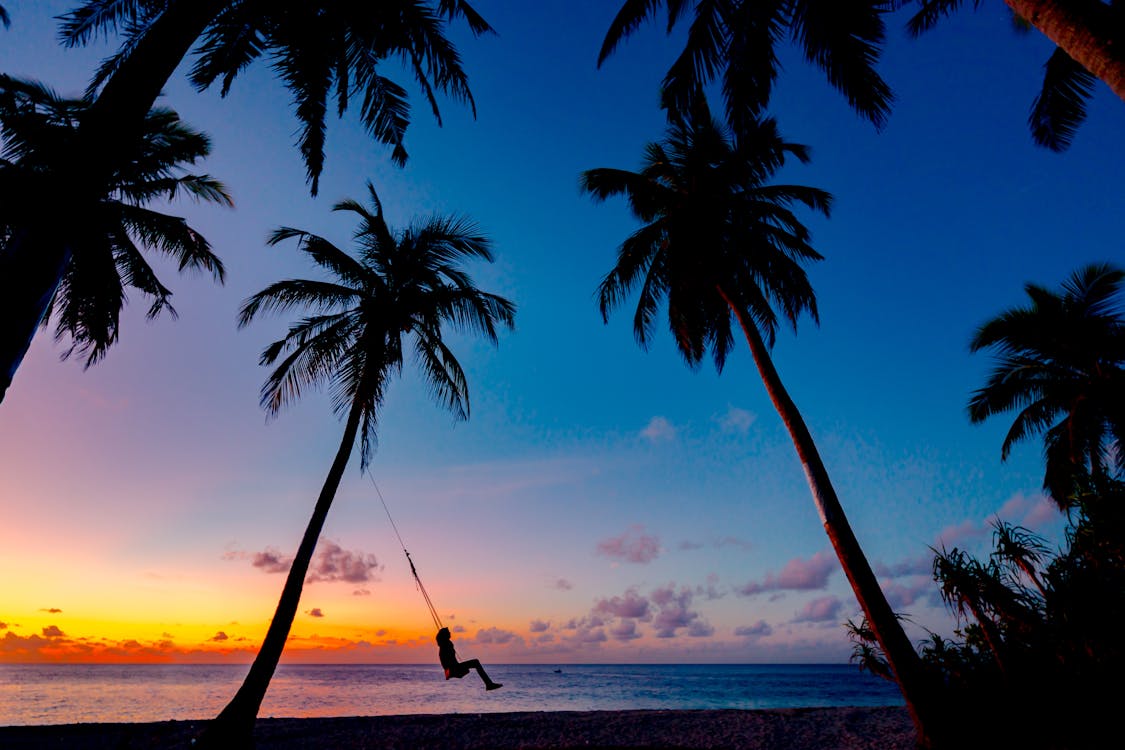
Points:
(443, 636)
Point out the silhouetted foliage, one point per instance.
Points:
(735, 42)
(1060, 107)
(35, 125)
(329, 55)
(1037, 659)
(1060, 364)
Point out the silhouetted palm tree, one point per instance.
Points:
(719, 242)
(1061, 364)
(397, 296)
(735, 40)
(1090, 35)
(324, 51)
(35, 124)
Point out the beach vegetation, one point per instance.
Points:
(391, 302)
(119, 227)
(1038, 631)
(720, 242)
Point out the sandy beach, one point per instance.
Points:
(783, 729)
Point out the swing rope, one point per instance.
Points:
(413, 570)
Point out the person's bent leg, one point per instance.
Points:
(475, 664)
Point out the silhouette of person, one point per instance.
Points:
(453, 668)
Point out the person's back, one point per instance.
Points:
(447, 655)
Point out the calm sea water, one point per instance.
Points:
(69, 693)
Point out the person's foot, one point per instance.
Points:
(493, 686)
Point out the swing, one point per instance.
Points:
(448, 657)
(413, 570)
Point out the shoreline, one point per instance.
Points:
(863, 728)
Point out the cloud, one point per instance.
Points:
(52, 610)
(315, 612)
(797, 575)
(52, 631)
(3, 626)
(330, 563)
(590, 635)
(219, 637)
(633, 546)
(821, 609)
(626, 630)
(495, 635)
(965, 531)
(562, 585)
(362, 592)
(1030, 511)
(717, 543)
(737, 420)
(658, 430)
(271, 561)
(760, 629)
(333, 563)
(674, 612)
(538, 626)
(900, 595)
(918, 565)
(630, 605)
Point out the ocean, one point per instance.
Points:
(72, 693)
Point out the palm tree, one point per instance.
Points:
(326, 50)
(1061, 364)
(735, 40)
(399, 293)
(35, 124)
(719, 242)
(1089, 35)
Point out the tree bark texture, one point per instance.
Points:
(1086, 30)
(920, 695)
(34, 259)
(234, 726)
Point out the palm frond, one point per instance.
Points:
(81, 25)
(1060, 106)
(632, 14)
(282, 296)
(844, 40)
(931, 12)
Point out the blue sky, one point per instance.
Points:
(592, 475)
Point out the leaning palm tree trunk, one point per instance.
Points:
(903, 659)
(35, 257)
(234, 726)
(1084, 30)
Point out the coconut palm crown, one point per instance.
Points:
(395, 297)
(1060, 365)
(714, 235)
(35, 123)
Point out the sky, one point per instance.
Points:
(603, 503)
